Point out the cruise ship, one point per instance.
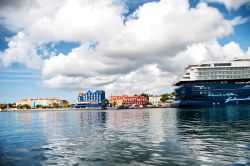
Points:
(212, 84)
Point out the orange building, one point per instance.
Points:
(127, 100)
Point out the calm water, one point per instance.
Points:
(215, 136)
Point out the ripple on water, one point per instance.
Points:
(129, 137)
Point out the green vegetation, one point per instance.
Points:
(145, 95)
(25, 106)
(167, 96)
(164, 97)
(114, 103)
(104, 104)
(11, 105)
(173, 94)
(55, 105)
(3, 106)
(39, 106)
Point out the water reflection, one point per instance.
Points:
(217, 136)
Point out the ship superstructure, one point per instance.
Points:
(214, 83)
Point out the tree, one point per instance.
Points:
(10, 105)
(39, 106)
(27, 106)
(24, 106)
(172, 94)
(145, 95)
(164, 97)
(55, 105)
(3, 106)
(114, 103)
(44, 107)
(105, 104)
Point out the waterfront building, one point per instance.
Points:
(46, 102)
(94, 97)
(216, 83)
(135, 100)
(155, 100)
(116, 100)
(128, 100)
(91, 99)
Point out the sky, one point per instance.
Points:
(61, 47)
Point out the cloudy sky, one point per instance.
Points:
(60, 47)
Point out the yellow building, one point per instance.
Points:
(117, 100)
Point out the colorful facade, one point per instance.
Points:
(91, 99)
(128, 100)
(116, 100)
(46, 102)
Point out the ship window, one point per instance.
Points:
(205, 65)
(222, 64)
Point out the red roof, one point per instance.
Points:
(127, 97)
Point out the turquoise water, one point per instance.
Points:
(207, 136)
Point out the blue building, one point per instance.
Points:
(91, 99)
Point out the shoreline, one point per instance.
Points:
(77, 109)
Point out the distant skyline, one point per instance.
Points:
(59, 48)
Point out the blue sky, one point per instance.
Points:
(60, 63)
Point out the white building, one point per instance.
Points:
(155, 100)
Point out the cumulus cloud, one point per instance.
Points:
(209, 51)
(20, 50)
(76, 21)
(146, 49)
(233, 49)
(248, 52)
(18, 15)
(148, 79)
(77, 82)
(230, 4)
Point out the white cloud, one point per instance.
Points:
(248, 52)
(230, 4)
(149, 79)
(157, 35)
(209, 51)
(232, 50)
(166, 27)
(76, 21)
(147, 50)
(77, 82)
(17, 15)
(160, 30)
(20, 50)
